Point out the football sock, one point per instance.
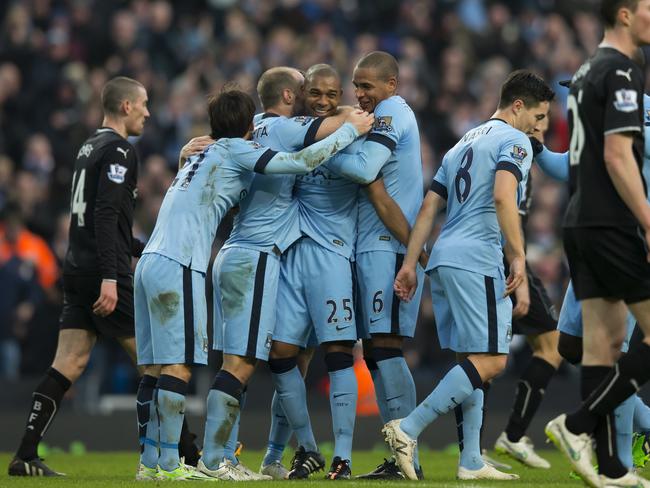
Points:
(469, 417)
(146, 412)
(171, 410)
(399, 388)
(641, 415)
(453, 389)
(231, 444)
(223, 410)
(623, 418)
(343, 401)
(187, 447)
(530, 392)
(380, 394)
(279, 434)
(290, 386)
(486, 389)
(45, 403)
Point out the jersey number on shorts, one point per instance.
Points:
(346, 306)
(464, 176)
(78, 203)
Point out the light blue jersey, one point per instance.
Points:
(470, 239)
(391, 150)
(328, 207)
(269, 215)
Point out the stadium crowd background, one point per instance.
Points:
(56, 55)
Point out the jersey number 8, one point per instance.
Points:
(464, 176)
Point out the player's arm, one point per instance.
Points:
(137, 246)
(304, 161)
(406, 281)
(555, 165)
(391, 214)
(505, 203)
(364, 166)
(110, 191)
(332, 123)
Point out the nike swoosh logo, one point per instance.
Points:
(341, 394)
(343, 328)
(372, 321)
(395, 397)
(574, 455)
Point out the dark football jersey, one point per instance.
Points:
(101, 205)
(606, 97)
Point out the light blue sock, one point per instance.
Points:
(399, 389)
(279, 434)
(623, 419)
(380, 394)
(452, 391)
(171, 411)
(641, 415)
(290, 387)
(150, 452)
(343, 405)
(231, 444)
(222, 415)
(469, 417)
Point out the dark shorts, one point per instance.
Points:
(81, 292)
(608, 262)
(541, 316)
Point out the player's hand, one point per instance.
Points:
(523, 301)
(195, 146)
(406, 282)
(423, 259)
(107, 300)
(361, 120)
(516, 276)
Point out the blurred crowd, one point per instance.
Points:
(55, 55)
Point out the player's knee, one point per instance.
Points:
(336, 361)
(282, 365)
(384, 353)
(304, 358)
(498, 365)
(570, 348)
(71, 366)
(283, 350)
(387, 341)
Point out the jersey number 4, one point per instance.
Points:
(463, 176)
(78, 203)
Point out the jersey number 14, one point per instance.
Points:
(78, 203)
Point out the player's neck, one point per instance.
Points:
(116, 125)
(504, 115)
(621, 40)
(282, 110)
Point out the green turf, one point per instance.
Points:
(117, 469)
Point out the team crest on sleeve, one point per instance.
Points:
(383, 124)
(626, 100)
(518, 153)
(303, 119)
(116, 173)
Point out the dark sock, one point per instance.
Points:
(530, 392)
(45, 403)
(187, 447)
(486, 388)
(144, 397)
(583, 420)
(609, 464)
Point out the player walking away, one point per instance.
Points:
(97, 279)
(170, 277)
(393, 149)
(247, 268)
(607, 220)
(468, 284)
(316, 293)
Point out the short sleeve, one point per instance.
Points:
(439, 182)
(388, 124)
(515, 154)
(250, 155)
(297, 133)
(623, 95)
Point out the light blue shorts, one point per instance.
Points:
(471, 312)
(570, 320)
(315, 294)
(170, 312)
(245, 294)
(380, 310)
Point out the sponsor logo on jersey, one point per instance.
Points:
(116, 173)
(625, 74)
(122, 151)
(626, 100)
(518, 153)
(85, 150)
(383, 124)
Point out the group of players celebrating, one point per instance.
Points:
(328, 247)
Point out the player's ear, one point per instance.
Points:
(287, 96)
(392, 83)
(126, 106)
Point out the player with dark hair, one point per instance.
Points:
(170, 302)
(606, 230)
(480, 179)
(97, 275)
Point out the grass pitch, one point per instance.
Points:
(117, 469)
